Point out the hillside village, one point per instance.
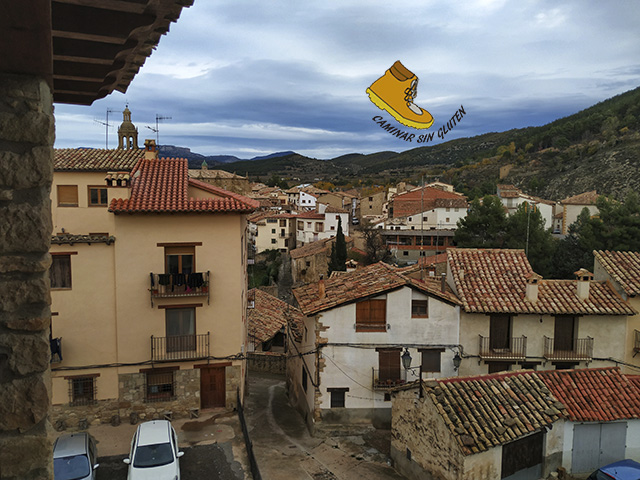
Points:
(512, 373)
(129, 292)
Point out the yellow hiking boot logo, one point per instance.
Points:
(395, 92)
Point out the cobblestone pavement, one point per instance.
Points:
(285, 450)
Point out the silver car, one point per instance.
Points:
(75, 457)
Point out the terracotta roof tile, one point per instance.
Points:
(314, 248)
(485, 411)
(362, 283)
(494, 281)
(160, 186)
(586, 198)
(69, 239)
(594, 394)
(624, 268)
(413, 202)
(95, 159)
(269, 315)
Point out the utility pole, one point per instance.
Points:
(159, 118)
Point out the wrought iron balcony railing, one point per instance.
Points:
(180, 347)
(580, 349)
(385, 379)
(168, 285)
(516, 348)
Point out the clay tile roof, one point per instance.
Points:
(162, 186)
(623, 267)
(485, 411)
(424, 199)
(269, 314)
(332, 209)
(594, 394)
(69, 239)
(587, 198)
(95, 159)
(366, 282)
(494, 281)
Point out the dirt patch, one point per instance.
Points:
(379, 439)
(197, 426)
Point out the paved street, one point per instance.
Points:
(285, 450)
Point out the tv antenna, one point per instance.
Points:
(159, 118)
(106, 127)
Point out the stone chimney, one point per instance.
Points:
(150, 149)
(584, 280)
(321, 289)
(531, 293)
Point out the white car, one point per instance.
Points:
(154, 452)
(74, 457)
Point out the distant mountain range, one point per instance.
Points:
(595, 149)
(196, 159)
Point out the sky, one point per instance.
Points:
(250, 77)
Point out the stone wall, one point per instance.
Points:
(267, 362)
(26, 172)
(131, 405)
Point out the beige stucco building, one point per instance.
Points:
(149, 288)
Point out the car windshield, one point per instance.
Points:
(599, 475)
(153, 455)
(71, 468)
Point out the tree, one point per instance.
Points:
(375, 247)
(484, 226)
(338, 251)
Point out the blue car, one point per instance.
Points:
(622, 470)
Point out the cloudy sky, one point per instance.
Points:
(250, 78)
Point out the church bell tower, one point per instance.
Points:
(127, 132)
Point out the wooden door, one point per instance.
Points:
(212, 387)
(563, 334)
(500, 332)
(389, 364)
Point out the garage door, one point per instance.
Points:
(522, 459)
(597, 444)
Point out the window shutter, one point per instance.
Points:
(68, 195)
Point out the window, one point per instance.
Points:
(371, 316)
(308, 264)
(371, 200)
(456, 209)
(273, 231)
(60, 271)
(333, 227)
(98, 196)
(272, 220)
(431, 359)
(419, 308)
(273, 240)
(319, 227)
(447, 220)
(283, 223)
(82, 390)
(309, 225)
(180, 259)
(405, 253)
(337, 217)
(67, 195)
(337, 396)
(159, 384)
(300, 225)
(448, 209)
(181, 329)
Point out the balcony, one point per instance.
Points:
(171, 285)
(636, 342)
(386, 379)
(179, 347)
(516, 350)
(580, 349)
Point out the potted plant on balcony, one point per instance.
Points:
(205, 287)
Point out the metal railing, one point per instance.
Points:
(180, 347)
(579, 349)
(517, 348)
(636, 342)
(253, 464)
(169, 285)
(386, 378)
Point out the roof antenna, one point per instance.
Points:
(159, 118)
(106, 125)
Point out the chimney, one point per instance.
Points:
(321, 290)
(443, 283)
(150, 149)
(531, 293)
(584, 279)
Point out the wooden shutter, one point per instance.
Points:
(500, 332)
(389, 364)
(68, 195)
(371, 316)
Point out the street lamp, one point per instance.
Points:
(406, 359)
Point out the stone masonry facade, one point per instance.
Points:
(26, 172)
(131, 405)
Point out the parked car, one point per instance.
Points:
(154, 452)
(622, 470)
(75, 457)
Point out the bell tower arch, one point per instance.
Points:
(127, 132)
